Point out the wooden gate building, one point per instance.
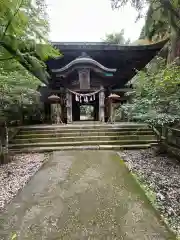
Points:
(87, 73)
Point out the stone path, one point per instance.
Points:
(82, 195)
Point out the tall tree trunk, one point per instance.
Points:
(6, 138)
(174, 52)
(4, 154)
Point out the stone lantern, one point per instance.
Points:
(112, 97)
(55, 109)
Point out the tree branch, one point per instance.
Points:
(10, 21)
(5, 59)
(167, 5)
(24, 61)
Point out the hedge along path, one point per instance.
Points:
(83, 195)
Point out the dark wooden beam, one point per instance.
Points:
(121, 90)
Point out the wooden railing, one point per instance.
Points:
(173, 137)
(169, 139)
(169, 135)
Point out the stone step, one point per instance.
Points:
(80, 143)
(83, 133)
(83, 126)
(85, 147)
(82, 138)
(90, 130)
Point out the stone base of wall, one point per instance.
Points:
(172, 150)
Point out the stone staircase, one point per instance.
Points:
(83, 136)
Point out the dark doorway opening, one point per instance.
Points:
(85, 111)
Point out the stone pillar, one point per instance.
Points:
(101, 105)
(69, 106)
(56, 113)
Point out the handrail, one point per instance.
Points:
(166, 136)
(160, 136)
(174, 129)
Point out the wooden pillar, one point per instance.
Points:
(69, 106)
(75, 111)
(101, 105)
(110, 110)
(47, 113)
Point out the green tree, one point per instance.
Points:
(162, 19)
(24, 47)
(156, 95)
(19, 99)
(155, 29)
(23, 34)
(116, 38)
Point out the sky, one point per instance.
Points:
(90, 20)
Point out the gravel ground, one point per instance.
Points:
(15, 175)
(161, 174)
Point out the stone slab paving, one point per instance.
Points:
(82, 195)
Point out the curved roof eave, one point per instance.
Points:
(106, 46)
(83, 60)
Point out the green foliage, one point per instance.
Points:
(116, 38)
(156, 28)
(23, 34)
(17, 91)
(24, 47)
(14, 236)
(156, 97)
(24, 40)
(19, 100)
(86, 110)
(162, 17)
(146, 188)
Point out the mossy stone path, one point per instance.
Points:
(82, 195)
